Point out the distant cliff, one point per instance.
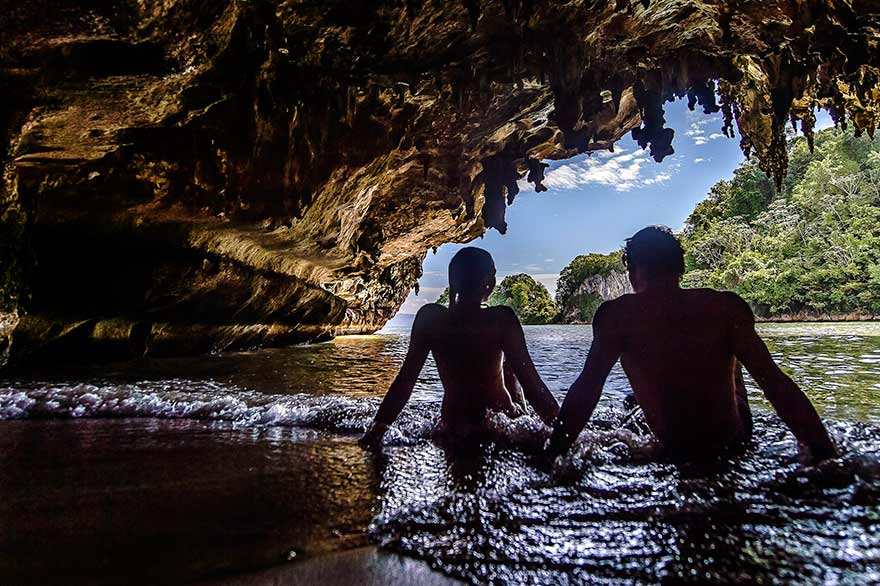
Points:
(586, 282)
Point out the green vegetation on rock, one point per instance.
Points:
(528, 298)
(577, 305)
(812, 248)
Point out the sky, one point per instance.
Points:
(594, 202)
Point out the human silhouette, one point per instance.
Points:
(679, 349)
(476, 350)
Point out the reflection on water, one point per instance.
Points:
(273, 463)
(603, 518)
(837, 365)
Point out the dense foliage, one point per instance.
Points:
(812, 247)
(582, 306)
(528, 298)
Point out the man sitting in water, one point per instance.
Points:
(679, 349)
(469, 343)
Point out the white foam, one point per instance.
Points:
(182, 399)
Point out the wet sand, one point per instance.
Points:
(146, 501)
(363, 566)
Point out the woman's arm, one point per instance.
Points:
(512, 385)
(534, 389)
(400, 390)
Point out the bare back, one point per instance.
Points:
(679, 349)
(469, 352)
(676, 349)
(468, 345)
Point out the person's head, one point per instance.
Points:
(471, 276)
(653, 255)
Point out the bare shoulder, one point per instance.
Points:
(735, 307)
(612, 312)
(428, 314)
(614, 308)
(504, 314)
(727, 306)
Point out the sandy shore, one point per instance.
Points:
(362, 566)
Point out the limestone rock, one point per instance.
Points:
(592, 291)
(182, 176)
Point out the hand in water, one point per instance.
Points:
(372, 439)
(812, 457)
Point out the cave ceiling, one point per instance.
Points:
(332, 143)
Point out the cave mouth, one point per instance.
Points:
(596, 201)
(180, 177)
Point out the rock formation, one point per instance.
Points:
(182, 176)
(582, 304)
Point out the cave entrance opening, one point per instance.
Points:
(595, 201)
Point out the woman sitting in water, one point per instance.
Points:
(470, 343)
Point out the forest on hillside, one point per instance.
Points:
(528, 298)
(812, 248)
(809, 250)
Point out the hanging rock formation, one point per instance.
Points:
(181, 176)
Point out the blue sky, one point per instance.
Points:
(594, 202)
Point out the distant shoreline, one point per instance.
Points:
(775, 320)
(407, 319)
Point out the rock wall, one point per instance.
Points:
(592, 291)
(182, 176)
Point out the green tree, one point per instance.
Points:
(814, 246)
(528, 298)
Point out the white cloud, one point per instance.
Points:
(659, 178)
(548, 280)
(532, 268)
(701, 139)
(621, 170)
(702, 120)
(548, 260)
(609, 154)
(699, 160)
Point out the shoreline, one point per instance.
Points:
(775, 320)
(367, 565)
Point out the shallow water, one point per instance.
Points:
(266, 439)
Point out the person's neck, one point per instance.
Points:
(468, 304)
(660, 284)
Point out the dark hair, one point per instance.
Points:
(655, 250)
(467, 270)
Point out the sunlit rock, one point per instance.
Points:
(184, 176)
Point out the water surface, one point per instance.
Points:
(212, 464)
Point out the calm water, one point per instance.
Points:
(209, 465)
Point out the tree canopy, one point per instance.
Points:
(812, 247)
(582, 306)
(528, 298)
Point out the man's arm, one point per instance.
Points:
(584, 394)
(789, 401)
(401, 389)
(534, 389)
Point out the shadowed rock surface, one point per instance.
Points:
(184, 176)
(593, 291)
